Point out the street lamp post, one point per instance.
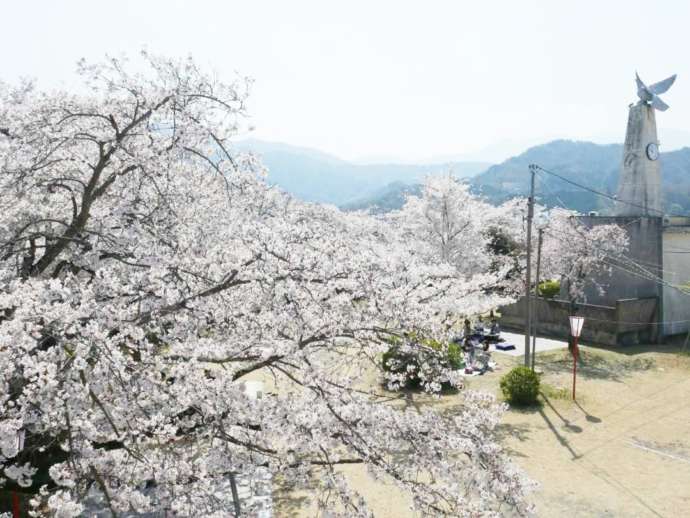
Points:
(576, 324)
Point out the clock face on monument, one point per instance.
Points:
(652, 151)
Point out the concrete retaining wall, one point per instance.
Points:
(625, 323)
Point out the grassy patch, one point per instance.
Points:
(551, 392)
(599, 364)
(682, 359)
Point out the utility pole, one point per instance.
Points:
(528, 279)
(235, 494)
(540, 240)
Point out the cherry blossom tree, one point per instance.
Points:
(147, 272)
(451, 224)
(579, 254)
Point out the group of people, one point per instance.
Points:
(476, 342)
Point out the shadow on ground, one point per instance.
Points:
(506, 431)
(560, 427)
(287, 501)
(594, 364)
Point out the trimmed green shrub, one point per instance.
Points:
(549, 289)
(520, 386)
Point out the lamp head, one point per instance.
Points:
(576, 323)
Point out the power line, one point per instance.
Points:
(649, 277)
(614, 198)
(638, 270)
(552, 193)
(605, 195)
(638, 323)
(564, 206)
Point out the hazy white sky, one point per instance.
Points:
(395, 79)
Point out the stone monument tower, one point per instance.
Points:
(639, 185)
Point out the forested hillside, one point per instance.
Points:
(592, 165)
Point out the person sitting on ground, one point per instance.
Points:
(479, 327)
(467, 329)
(468, 350)
(484, 357)
(495, 328)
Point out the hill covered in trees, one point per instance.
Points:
(592, 165)
(315, 176)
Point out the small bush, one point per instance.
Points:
(549, 289)
(520, 386)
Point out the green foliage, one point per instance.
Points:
(397, 362)
(394, 361)
(520, 386)
(551, 392)
(455, 356)
(500, 243)
(549, 289)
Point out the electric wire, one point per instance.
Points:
(606, 195)
(540, 169)
(627, 264)
(637, 270)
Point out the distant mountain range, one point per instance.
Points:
(318, 177)
(390, 197)
(592, 165)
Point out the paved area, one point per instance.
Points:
(518, 340)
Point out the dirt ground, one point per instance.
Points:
(622, 449)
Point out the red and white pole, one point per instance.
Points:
(16, 506)
(575, 353)
(576, 324)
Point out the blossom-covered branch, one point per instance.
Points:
(147, 272)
